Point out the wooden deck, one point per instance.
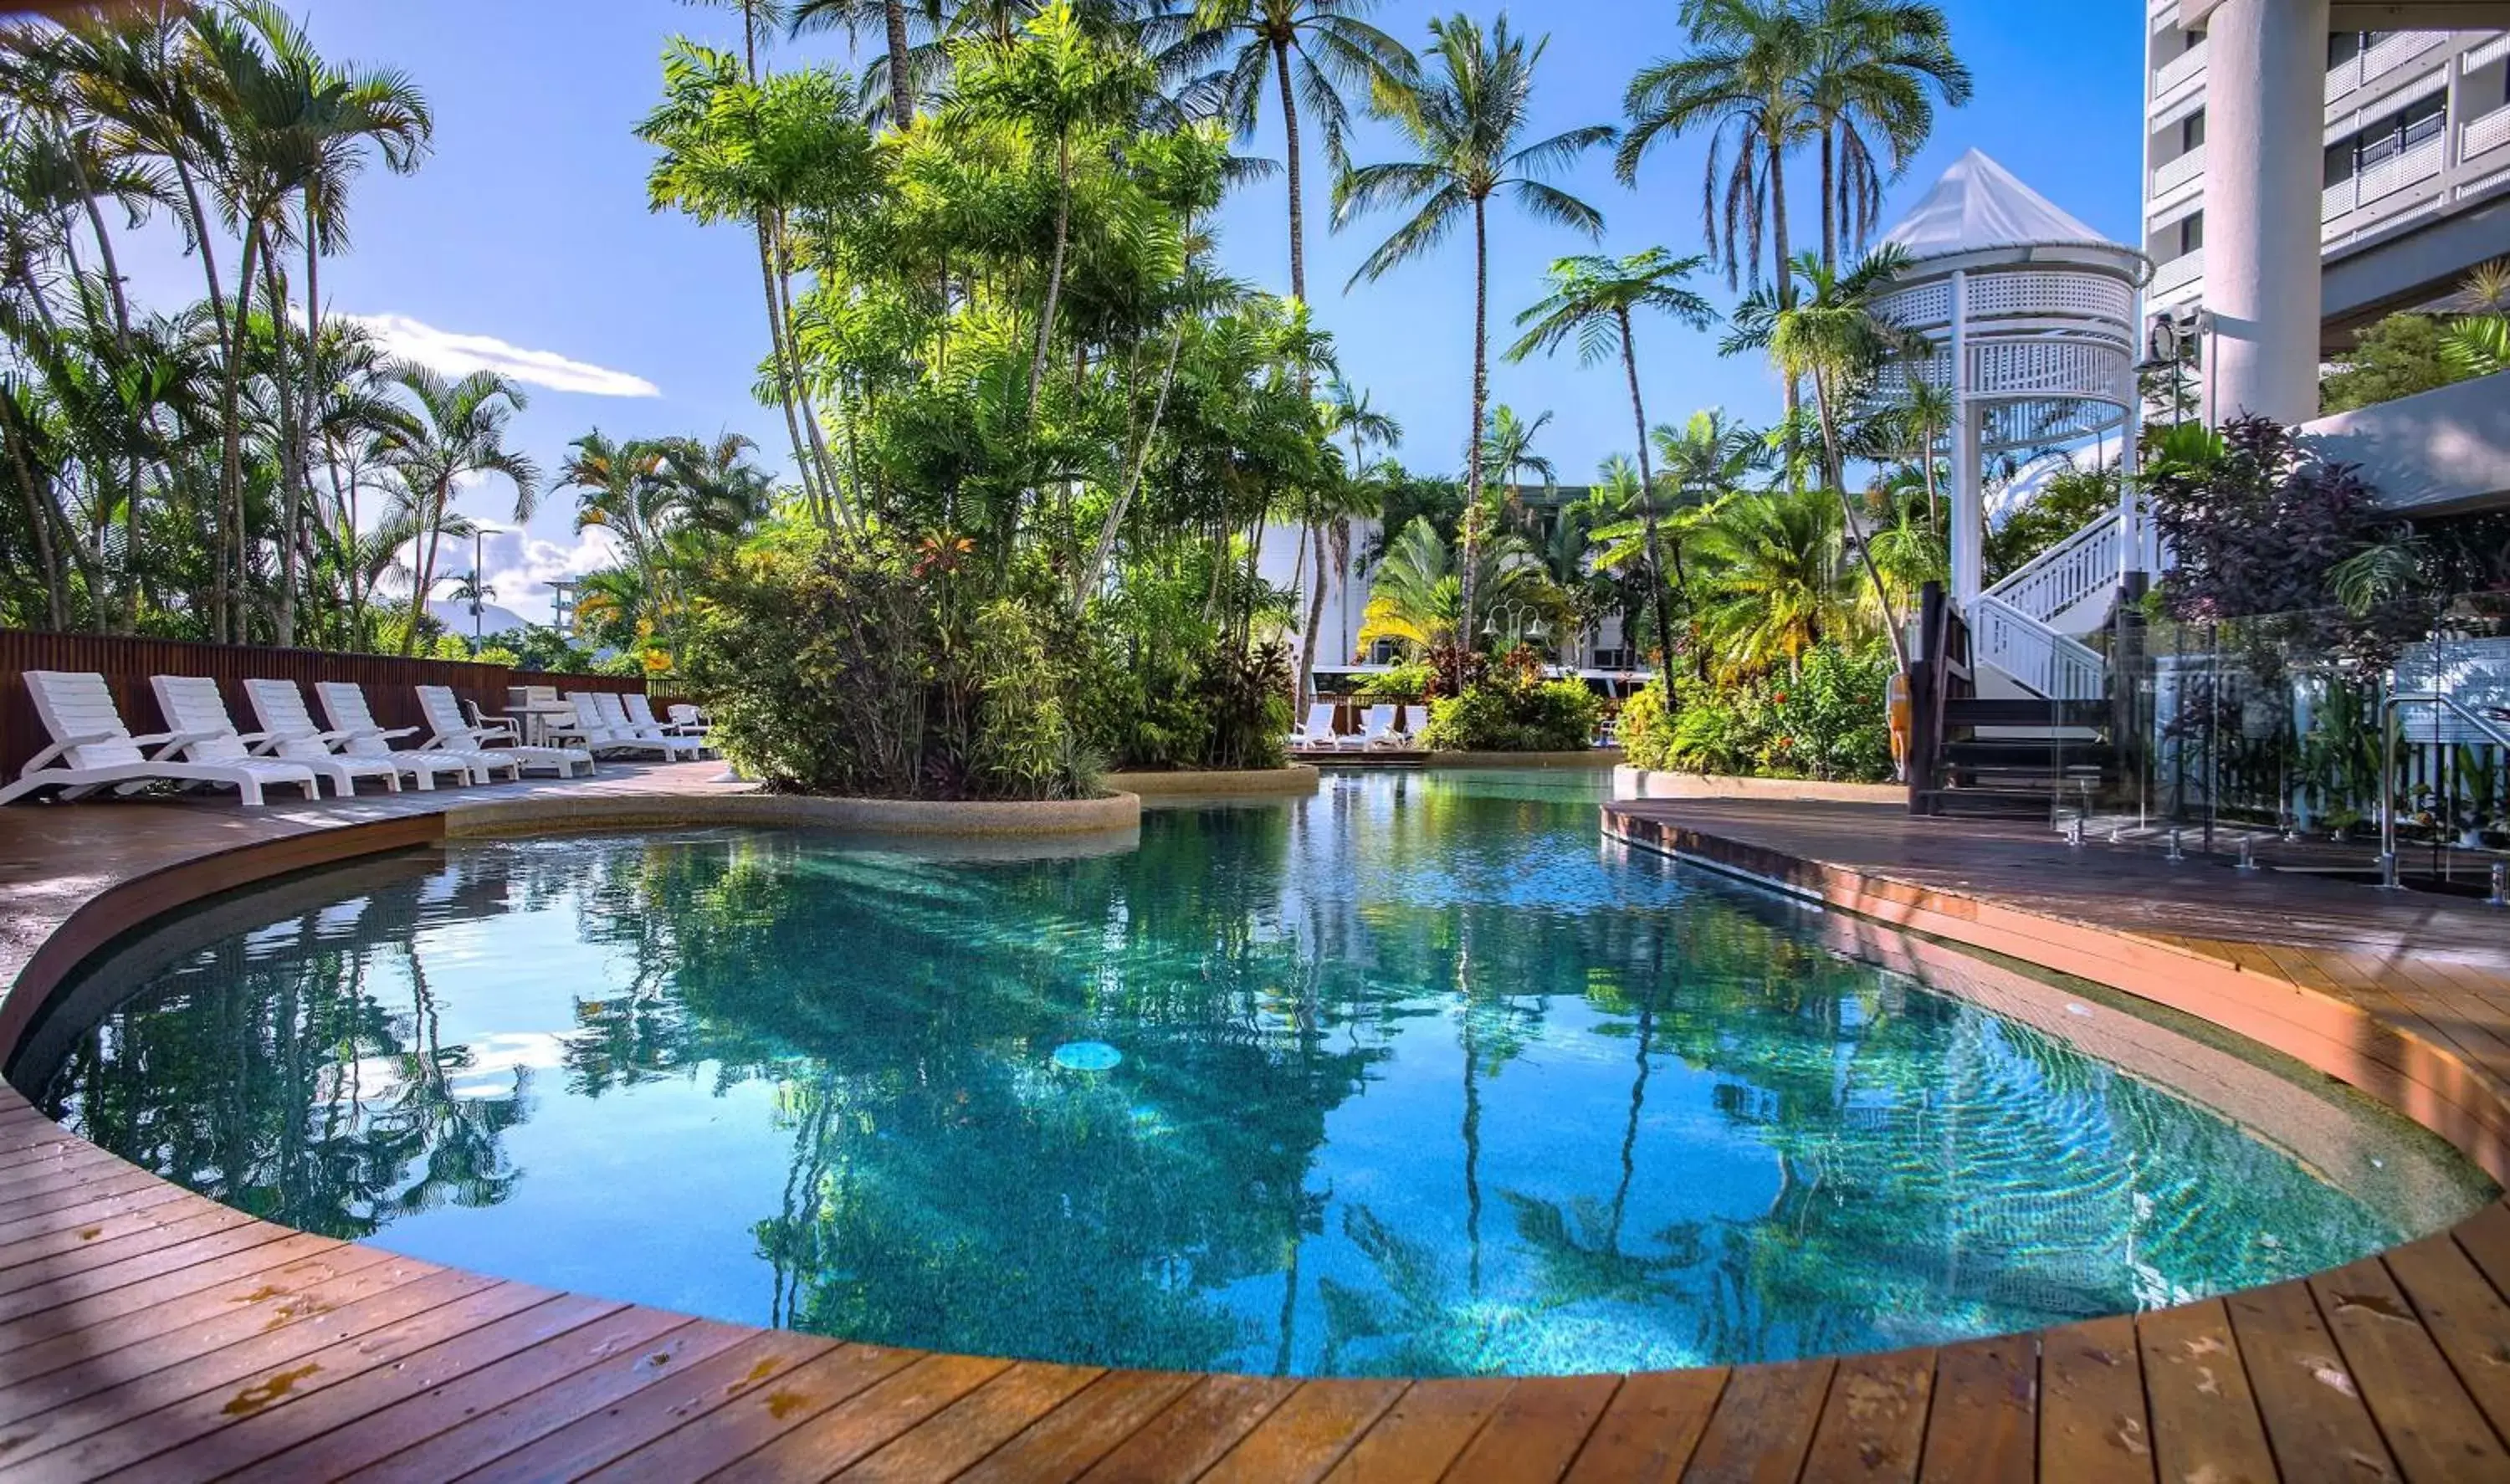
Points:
(146, 1333)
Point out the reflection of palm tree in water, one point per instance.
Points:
(464, 1164)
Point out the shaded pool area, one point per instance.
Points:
(1413, 1077)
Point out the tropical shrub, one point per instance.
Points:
(1827, 721)
(1410, 681)
(1513, 710)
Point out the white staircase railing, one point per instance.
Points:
(2083, 566)
(2041, 660)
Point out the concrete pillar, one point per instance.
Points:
(2265, 70)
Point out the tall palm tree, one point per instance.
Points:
(1507, 451)
(1310, 48)
(1594, 299)
(899, 20)
(1835, 340)
(1466, 116)
(1354, 414)
(458, 433)
(1872, 64)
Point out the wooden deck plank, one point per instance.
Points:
(2484, 1238)
(34, 1286)
(308, 1415)
(241, 1268)
(2464, 1317)
(1421, 1433)
(1537, 1432)
(190, 1320)
(2433, 1428)
(80, 1237)
(1063, 1444)
(137, 1191)
(2315, 1423)
(860, 1426)
(2093, 1428)
(962, 1434)
(627, 1334)
(192, 1329)
(1985, 1421)
(1764, 1424)
(235, 1371)
(590, 1439)
(1874, 1425)
(2205, 1421)
(1307, 1435)
(1652, 1428)
(724, 1434)
(308, 1380)
(1192, 1432)
(460, 1445)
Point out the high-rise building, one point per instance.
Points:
(2416, 177)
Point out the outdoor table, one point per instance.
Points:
(534, 720)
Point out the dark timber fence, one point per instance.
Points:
(126, 663)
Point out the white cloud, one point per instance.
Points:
(520, 566)
(459, 355)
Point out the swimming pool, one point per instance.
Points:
(1414, 1076)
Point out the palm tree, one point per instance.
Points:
(899, 20)
(1466, 118)
(1322, 47)
(1418, 594)
(1594, 298)
(1837, 341)
(1354, 414)
(1871, 65)
(1775, 558)
(458, 433)
(1741, 82)
(1507, 450)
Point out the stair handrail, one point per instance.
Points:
(2076, 568)
(2059, 666)
(2388, 764)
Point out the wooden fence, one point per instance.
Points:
(126, 663)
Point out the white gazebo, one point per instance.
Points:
(2031, 316)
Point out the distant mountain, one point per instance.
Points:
(455, 616)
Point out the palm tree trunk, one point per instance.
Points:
(785, 387)
(1829, 217)
(1646, 500)
(39, 520)
(1847, 515)
(437, 500)
(231, 598)
(1304, 688)
(1088, 576)
(1786, 287)
(901, 77)
(1469, 542)
(1298, 206)
(1054, 275)
(293, 470)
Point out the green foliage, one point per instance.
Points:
(2069, 501)
(1513, 710)
(1826, 722)
(1410, 681)
(2398, 357)
(542, 647)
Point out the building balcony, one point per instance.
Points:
(2169, 176)
(2485, 132)
(2176, 73)
(2383, 57)
(2386, 178)
(2177, 273)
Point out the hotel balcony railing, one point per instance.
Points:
(2489, 131)
(2387, 178)
(2167, 78)
(2177, 272)
(2382, 57)
(2171, 175)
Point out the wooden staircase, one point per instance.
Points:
(1999, 758)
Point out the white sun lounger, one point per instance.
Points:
(689, 721)
(444, 713)
(344, 704)
(1377, 730)
(193, 704)
(91, 749)
(279, 707)
(641, 715)
(1319, 729)
(605, 727)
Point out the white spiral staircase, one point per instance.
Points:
(2026, 626)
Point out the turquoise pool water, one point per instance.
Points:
(1416, 1076)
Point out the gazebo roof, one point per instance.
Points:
(1979, 206)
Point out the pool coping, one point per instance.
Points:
(2025, 1405)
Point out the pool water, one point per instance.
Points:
(1419, 1075)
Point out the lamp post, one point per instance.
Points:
(1525, 623)
(478, 594)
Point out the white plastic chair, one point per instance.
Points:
(607, 729)
(344, 704)
(444, 713)
(1317, 730)
(687, 720)
(91, 749)
(641, 715)
(194, 703)
(279, 707)
(1376, 730)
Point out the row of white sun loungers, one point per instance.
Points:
(92, 750)
(1377, 731)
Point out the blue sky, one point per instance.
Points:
(528, 226)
